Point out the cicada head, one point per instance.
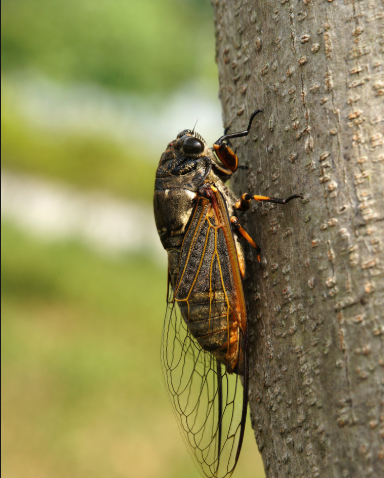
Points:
(188, 144)
(188, 154)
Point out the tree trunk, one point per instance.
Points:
(316, 302)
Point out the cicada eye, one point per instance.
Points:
(193, 145)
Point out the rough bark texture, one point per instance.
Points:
(316, 303)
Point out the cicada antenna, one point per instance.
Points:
(241, 133)
(193, 131)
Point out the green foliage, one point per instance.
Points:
(82, 160)
(146, 45)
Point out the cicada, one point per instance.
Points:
(205, 350)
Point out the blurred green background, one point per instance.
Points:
(92, 91)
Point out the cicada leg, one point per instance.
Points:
(168, 287)
(244, 203)
(245, 235)
(226, 155)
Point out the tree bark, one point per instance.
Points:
(316, 302)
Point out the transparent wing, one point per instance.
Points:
(206, 400)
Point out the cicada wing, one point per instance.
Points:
(208, 402)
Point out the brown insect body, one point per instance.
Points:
(203, 255)
(205, 341)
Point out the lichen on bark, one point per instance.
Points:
(316, 303)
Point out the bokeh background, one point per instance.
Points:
(92, 91)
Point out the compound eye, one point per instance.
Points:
(193, 145)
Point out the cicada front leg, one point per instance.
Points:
(226, 155)
(230, 162)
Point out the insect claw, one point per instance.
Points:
(294, 197)
(258, 250)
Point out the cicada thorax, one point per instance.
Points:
(205, 288)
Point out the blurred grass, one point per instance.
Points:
(146, 45)
(81, 378)
(84, 160)
(81, 373)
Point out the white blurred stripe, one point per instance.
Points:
(148, 121)
(56, 211)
